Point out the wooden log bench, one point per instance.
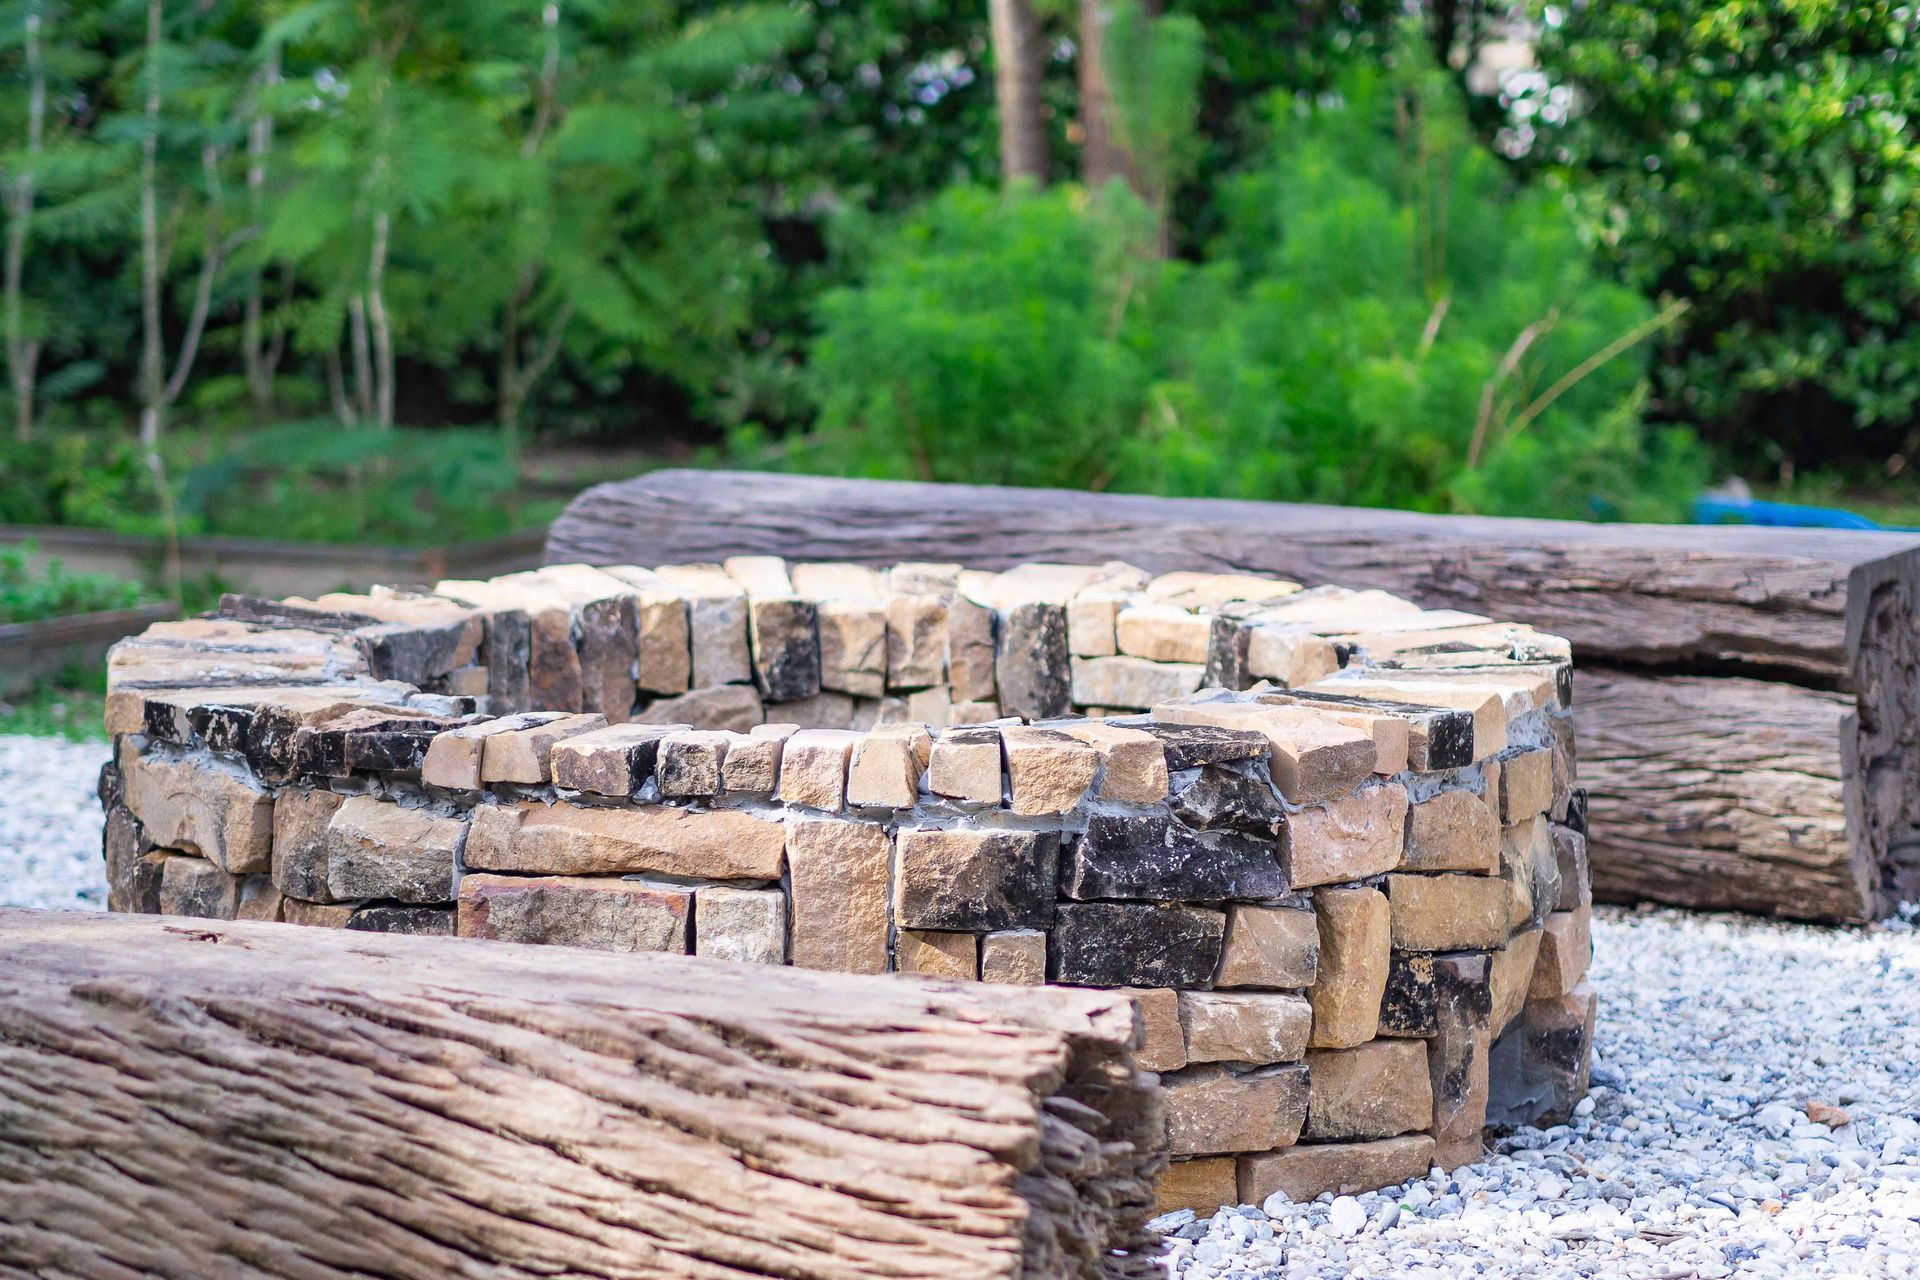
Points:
(190, 1099)
(1750, 712)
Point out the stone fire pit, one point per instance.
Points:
(1329, 840)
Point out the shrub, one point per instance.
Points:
(1385, 320)
(27, 595)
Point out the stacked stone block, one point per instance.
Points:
(1329, 840)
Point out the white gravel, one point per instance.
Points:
(50, 823)
(1695, 1159)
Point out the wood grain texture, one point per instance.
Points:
(212, 1100)
(1770, 599)
(1720, 794)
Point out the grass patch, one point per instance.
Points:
(71, 705)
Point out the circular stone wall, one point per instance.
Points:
(1328, 838)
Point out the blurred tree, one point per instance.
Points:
(1019, 68)
(1758, 158)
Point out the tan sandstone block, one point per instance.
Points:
(1448, 912)
(1349, 838)
(1092, 616)
(1014, 956)
(1132, 683)
(1376, 1090)
(1453, 831)
(1164, 1047)
(259, 900)
(736, 707)
(604, 913)
(1289, 655)
(716, 624)
(961, 714)
(690, 763)
(524, 755)
(453, 757)
(937, 954)
(317, 915)
(1192, 590)
(665, 664)
(1202, 1184)
(1355, 927)
(966, 766)
(201, 808)
(1304, 1173)
(745, 925)
(567, 839)
(1274, 947)
(853, 646)
(884, 770)
(1512, 973)
(377, 849)
(196, 887)
(1233, 1026)
(813, 768)
(752, 766)
(1526, 786)
(916, 641)
(1163, 633)
(1133, 763)
(1566, 947)
(1314, 757)
(1488, 706)
(614, 761)
(300, 818)
(1047, 771)
(839, 874)
(1214, 1109)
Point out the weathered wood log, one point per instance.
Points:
(1807, 611)
(196, 1099)
(1721, 793)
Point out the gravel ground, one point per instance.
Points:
(50, 823)
(1695, 1158)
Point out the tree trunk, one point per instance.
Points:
(188, 1099)
(1102, 159)
(23, 353)
(1821, 620)
(362, 357)
(377, 322)
(1020, 63)
(260, 363)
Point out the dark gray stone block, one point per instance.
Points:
(1228, 797)
(1130, 944)
(1154, 858)
(1032, 667)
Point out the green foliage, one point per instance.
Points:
(1384, 320)
(30, 595)
(72, 705)
(1759, 158)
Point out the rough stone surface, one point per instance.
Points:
(1132, 683)
(1015, 956)
(196, 887)
(1269, 947)
(746, 925)
(133, 868)
(1355, 930)
(614, 761)
(1223, 1026)
(1302, 1173)
(972, 651)
(1128, 944)
(377, 849)
(975, 880)
(1047, 772)
(600, 913)
(1228, 797)
(1190, 746)
(839, 876)
(1133, 765)
(1312, 758)
(1448, 912)
(1212, 1108)
(690, 763)
(259, 900)
(1376, 1090)
(1453, 831)
(885, 768)
(1566, 945)
(524, 755)
(853, 646)
(196, 807)
(966, 766)
(752, 766)
(916, 641)
(1201, 1184)
(736, 707)
(813, 768)
(299, 862)
(1457, 1066)
(453, 757)
(786, 647)
(1163, 633)
(1149, 856)
(937, 955)
(565, 839)
(424, 921)
(1031, 670)
(1410, 1006)
(1526, 786)
(1164, 1043)
(1512, 972)
(1350, 838)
